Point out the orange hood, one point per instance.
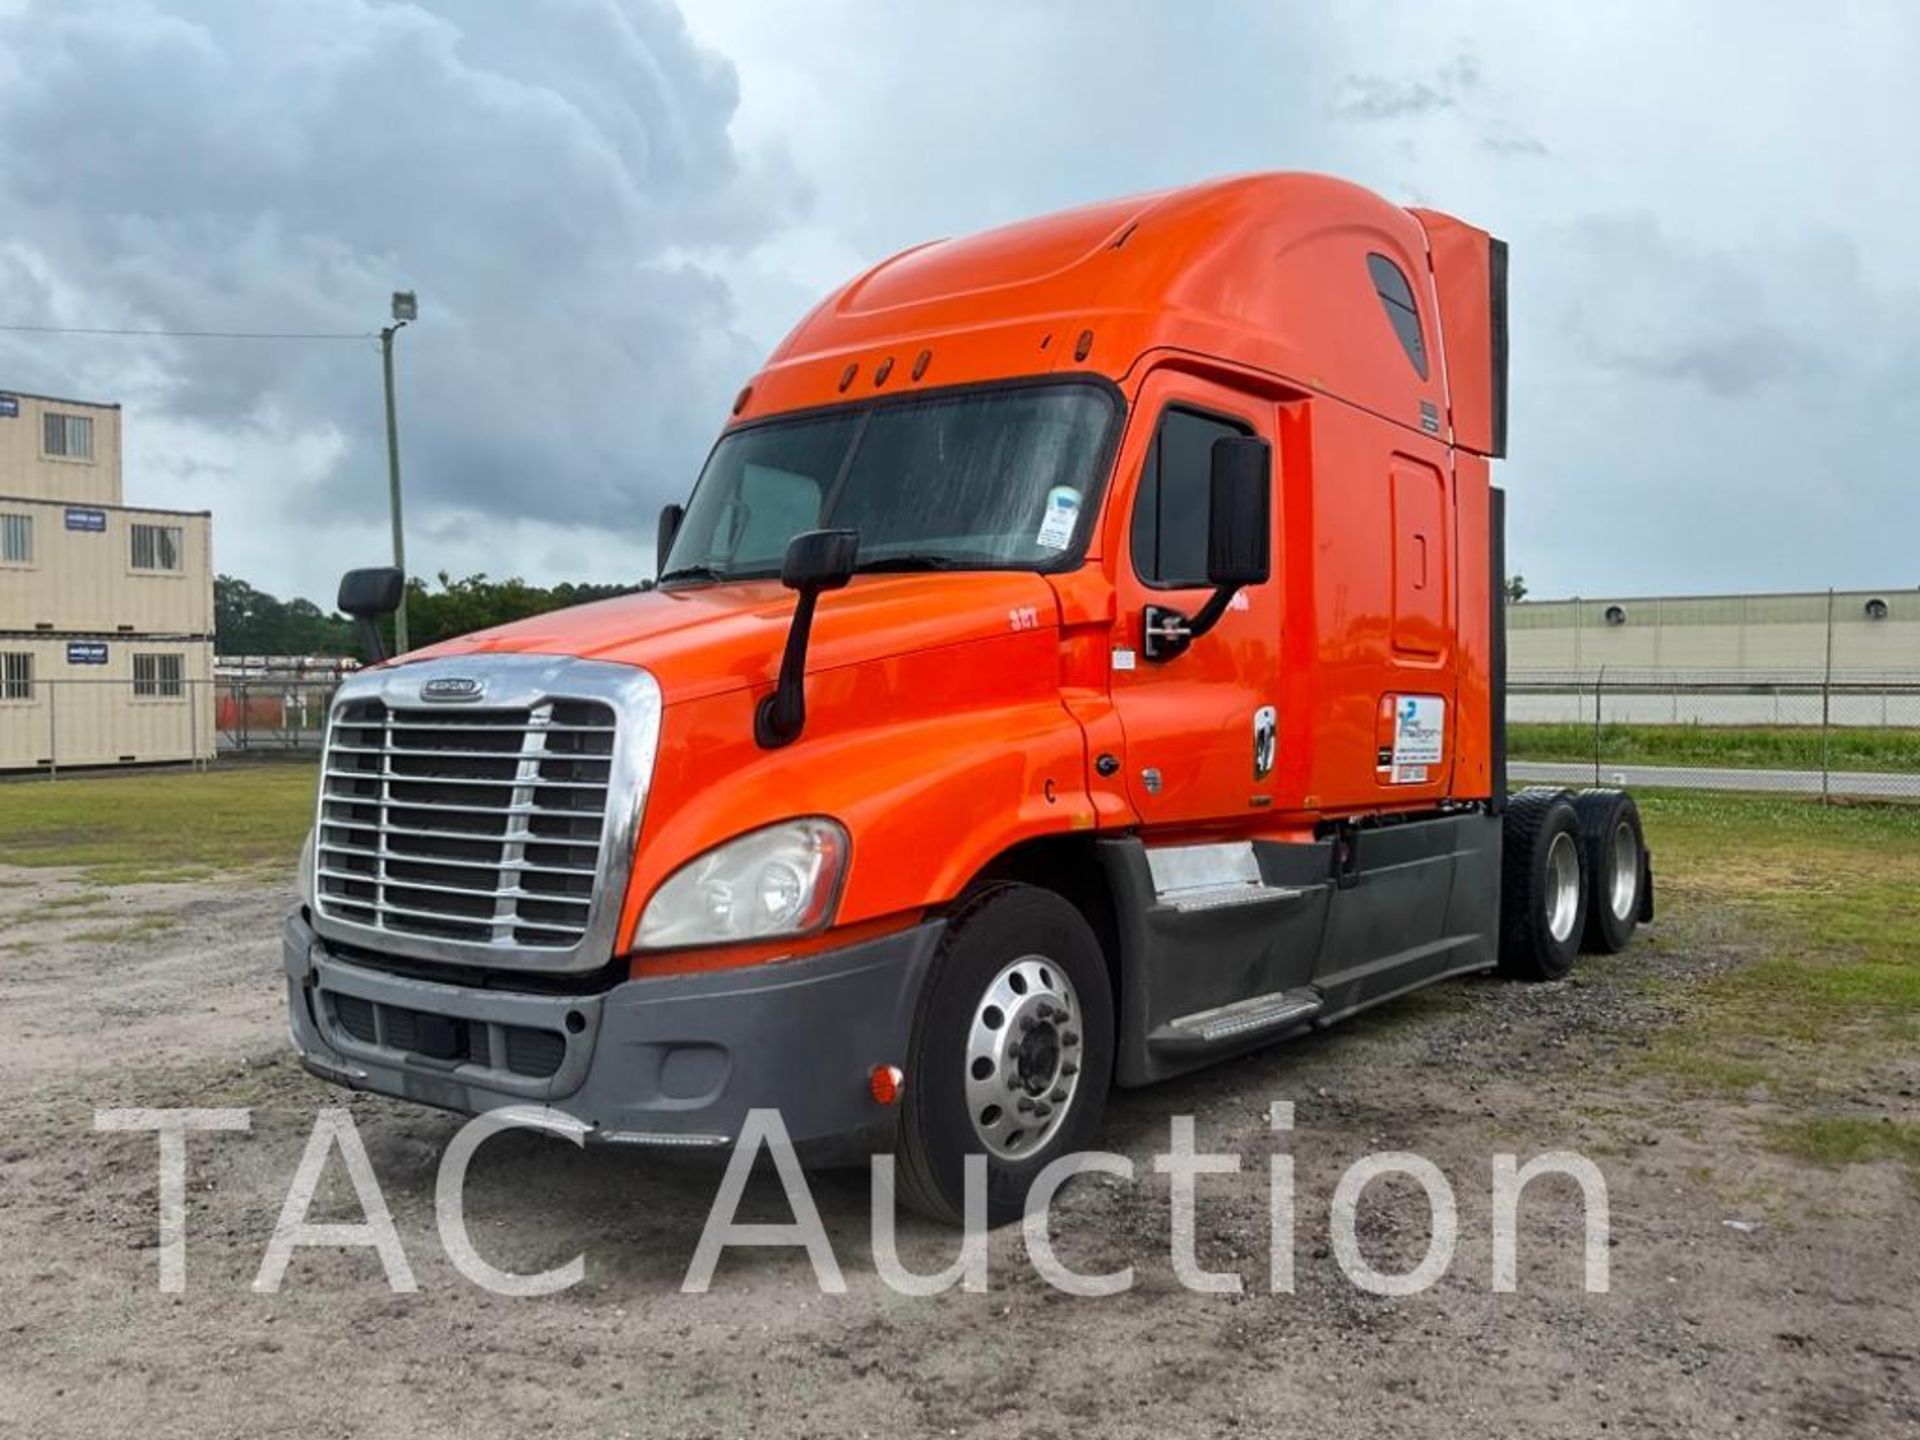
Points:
(706, 639)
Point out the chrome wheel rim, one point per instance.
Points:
(1563, 885)
(1626, 872)
(1023, 1059)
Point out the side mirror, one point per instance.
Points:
(670, 518)
(1240, 513)
(1239, 543)
(816, 561)
(370, 596)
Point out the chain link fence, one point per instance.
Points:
(1788, 733)
(1779, 732)
(269, 714)
(73, 724)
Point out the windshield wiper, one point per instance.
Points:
(914, 560)
(693, 572)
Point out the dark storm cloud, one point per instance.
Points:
(548, 183)
(1715, 320)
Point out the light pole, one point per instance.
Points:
(405, 307)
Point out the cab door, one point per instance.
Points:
(1200, 728)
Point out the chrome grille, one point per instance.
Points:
(478, 826)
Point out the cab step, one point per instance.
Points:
(1190, 878)
(1257, 1016)
(1223, 897)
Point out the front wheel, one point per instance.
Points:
(1011, 1053)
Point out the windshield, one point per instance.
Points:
(988, 479)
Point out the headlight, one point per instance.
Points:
(306, 867)
(783, 880)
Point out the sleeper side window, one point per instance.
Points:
(1170, 507)
(1396, 296)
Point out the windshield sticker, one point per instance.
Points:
(1056, 526)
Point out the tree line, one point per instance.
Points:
(250, 621)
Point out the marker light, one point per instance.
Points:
(885, 1084)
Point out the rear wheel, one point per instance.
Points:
(1012, 1049)
(1616, 866)
(1543, 899)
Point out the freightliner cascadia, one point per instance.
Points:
(1079, 660)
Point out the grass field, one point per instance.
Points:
(175, 825)
(1782, 747)
(1823, 1007)
(1823, 997)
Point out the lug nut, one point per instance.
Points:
(1070, 1037)
(1042, 1110)
(1059, 1094)
(1026, 1022)
(1023, 1104)
(1069, 1068)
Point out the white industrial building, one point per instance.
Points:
(106, 609)
(1867, 635)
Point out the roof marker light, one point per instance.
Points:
(846, 375)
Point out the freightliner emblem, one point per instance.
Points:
(449, 688)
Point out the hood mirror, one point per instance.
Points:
(370, 596)
(815, 561)
(671, 517)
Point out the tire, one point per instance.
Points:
(1616, 856)
(1056, 1017)
(1543, 889)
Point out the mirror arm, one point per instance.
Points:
(1169, 633)
(370, 640)
(1211, 612)
(780, 717)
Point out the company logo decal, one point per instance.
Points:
(450, 688)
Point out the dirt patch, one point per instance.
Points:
(1752, 1293)
(97, 978)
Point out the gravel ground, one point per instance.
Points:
(1751, 1295)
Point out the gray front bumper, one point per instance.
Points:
(677, 1060)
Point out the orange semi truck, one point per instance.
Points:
(1080, 660)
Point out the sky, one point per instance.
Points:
(613, 209)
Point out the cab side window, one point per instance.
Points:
(1396, 298)
(1170, 508)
